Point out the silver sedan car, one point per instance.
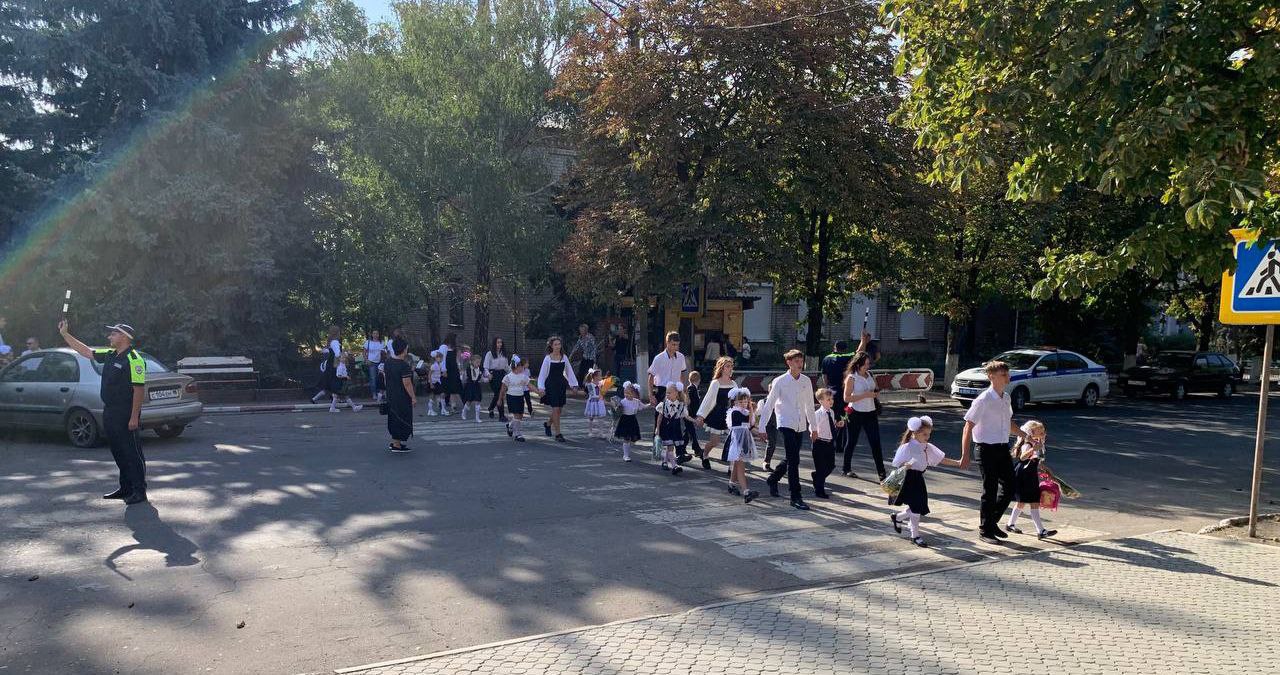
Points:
(57, 389)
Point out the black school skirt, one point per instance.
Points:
(914, 493)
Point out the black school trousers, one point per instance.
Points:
(996, 464)
(791, 465)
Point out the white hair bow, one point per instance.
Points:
(917, 423)
(675, 385)
(515, 359)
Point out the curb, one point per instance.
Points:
(1237, 521)
(728, 603)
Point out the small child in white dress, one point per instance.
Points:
(628, 429)
(917, 454)
(741, 445)
(595, 402)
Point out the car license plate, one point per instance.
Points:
(160, 394)
(968, 392)
(1137, 383)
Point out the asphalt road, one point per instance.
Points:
(286, 543)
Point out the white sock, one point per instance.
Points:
(1013, 516)
(1035, 518)
(475, 407)
(904, 514)
(515, 426)
(913, 522)
(626, 450)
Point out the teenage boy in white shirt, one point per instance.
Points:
(791, 399)
(668, 366)
(988, 424)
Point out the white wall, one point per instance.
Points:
(757, 322)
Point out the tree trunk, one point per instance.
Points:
(1206, 324)
(818, 291)
(640, 340)
(483, 296)
(951, 364)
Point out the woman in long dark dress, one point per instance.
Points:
(555, 378)
(452, 372)
(400, 395)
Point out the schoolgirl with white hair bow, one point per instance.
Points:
(741, 445)
(628, 428)
(672, 414)
(515, 386)
(435, 383)
(917, 454)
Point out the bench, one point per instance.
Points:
(228, 372)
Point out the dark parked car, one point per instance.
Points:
(1179, 373)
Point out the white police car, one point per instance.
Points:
(1037, 375)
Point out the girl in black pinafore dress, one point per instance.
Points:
(714, 410)
(554, 380)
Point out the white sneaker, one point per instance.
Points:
(431, 412)
(464, 413)
(333, 408)
(357, 407)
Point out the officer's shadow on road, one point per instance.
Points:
(1154, 555)
(153, 534)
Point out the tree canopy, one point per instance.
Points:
(1174, 101)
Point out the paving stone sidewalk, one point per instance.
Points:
(1167, 602)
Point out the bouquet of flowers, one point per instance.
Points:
(892, 484)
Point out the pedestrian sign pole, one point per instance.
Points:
(1251, 296)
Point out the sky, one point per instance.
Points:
(376, 9)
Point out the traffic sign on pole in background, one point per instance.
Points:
(1251, 296)
(1251, 292)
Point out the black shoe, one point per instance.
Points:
(919, 541)
(490, 414)
(1046, 534)
(118, 494)
(989, 537)
(883, 475)
(502, 417)
(850, 474)
(897, 527)
(677, 470)
(546, 428)
(998, 534)
(706, 463)
(136, 498)
(1014, 530)
(799, 504)
(768, 467)
(751, 494)
(520, 439)
(734, 489)
(683, 458)
(773, 488)
(509, 431)
(821, 494)
(560, 437)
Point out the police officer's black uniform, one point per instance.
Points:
(121, 372)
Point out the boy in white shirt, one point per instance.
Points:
(791, 399)
(822, 434)
(988, 424)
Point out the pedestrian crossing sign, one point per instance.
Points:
(1251, 291)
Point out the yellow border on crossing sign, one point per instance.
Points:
(1226, 313)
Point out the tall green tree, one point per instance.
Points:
(435, 131)
(1175, 101)
(737, 140)
(182, 205)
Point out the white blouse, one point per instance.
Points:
(546, 368)
(631, 406)
(713, 391)
(863, 385)
(517, 383)
(923, 455)
(494, 362)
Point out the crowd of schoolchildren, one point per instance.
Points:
(734, 421)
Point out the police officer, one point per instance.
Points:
(124, 375)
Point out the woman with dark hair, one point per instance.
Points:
(860, 395)
(400, 395)
(555, 378)
(328, 384)
(496, 364)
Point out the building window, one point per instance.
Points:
(457, 306)
(757, 322)
(864, 308)
(910, 325)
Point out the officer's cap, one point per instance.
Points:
(122, 328)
